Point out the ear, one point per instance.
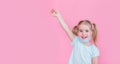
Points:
(91, 32)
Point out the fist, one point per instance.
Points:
(55, 12)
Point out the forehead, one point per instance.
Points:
(84, 26)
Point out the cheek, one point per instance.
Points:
(79, 34)
(89, 34)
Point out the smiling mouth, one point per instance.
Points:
(84, 37)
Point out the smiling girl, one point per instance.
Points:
(83, 37)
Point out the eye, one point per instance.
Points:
(81, 30)
(86, 30)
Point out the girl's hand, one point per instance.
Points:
(55, 13)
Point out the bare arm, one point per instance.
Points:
(95, 60)
(63, 24)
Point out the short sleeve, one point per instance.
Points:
(95, 52)
(74, 40)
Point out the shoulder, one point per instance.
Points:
(95, 47)
(75, 39)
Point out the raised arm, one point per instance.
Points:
(63, 24)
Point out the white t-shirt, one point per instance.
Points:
(82, 54)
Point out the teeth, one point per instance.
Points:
(84, 37)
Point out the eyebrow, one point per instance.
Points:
(82, 29)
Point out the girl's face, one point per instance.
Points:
(84, 31)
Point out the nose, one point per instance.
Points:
(84, 34)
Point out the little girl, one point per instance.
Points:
(82, 36)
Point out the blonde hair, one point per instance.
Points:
(92, 27)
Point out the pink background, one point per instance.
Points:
(30, 35)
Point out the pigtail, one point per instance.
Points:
(94, 35)
(74, 30)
